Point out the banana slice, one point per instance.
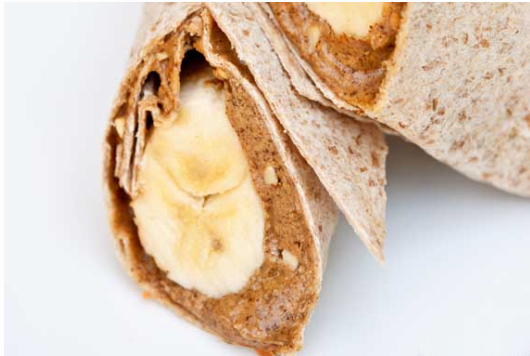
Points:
(201, 150)
(349, 18)
(198, 213)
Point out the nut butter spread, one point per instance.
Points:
(346, 44)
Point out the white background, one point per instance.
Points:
(456, 282)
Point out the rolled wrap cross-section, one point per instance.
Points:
(214, 208)
(452, 78)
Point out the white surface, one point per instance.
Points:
(456, 282)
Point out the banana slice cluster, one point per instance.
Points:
(198, 213)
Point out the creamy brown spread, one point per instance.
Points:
(353, 68)
(269, 313)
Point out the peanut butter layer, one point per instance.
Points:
(272, 309)
(349, 58)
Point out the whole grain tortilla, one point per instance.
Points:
(345, 158)
(458, 86)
